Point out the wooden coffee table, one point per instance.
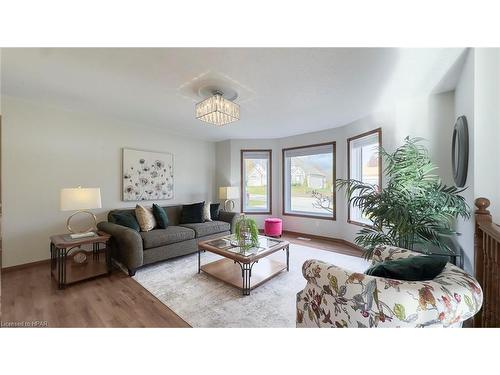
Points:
(239, 267)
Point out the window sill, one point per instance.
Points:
(331, 218)
(359, 224)
(257, 212)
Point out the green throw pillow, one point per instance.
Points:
(127, 220)
(160, 216)
(418, 268)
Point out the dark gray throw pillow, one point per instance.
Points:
(160, 216)
(192, 213)
(419, 268)
(214, 211)
(126, 219)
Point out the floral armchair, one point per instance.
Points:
(334, 297)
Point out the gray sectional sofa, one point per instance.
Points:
(134, 249)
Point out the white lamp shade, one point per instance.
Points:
(229, 192)
(74, 199)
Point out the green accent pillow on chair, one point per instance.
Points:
(160, 216)
(419, 268)
(126, 220)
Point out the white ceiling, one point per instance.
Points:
(282, 91)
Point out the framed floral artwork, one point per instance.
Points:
(147, 175)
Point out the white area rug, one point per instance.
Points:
(204, 301)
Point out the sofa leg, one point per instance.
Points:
(131, 272)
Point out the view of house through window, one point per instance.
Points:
(309, 179)
(256, 181)
(364, 166)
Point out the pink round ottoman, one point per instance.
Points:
(273, 227)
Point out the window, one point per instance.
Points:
(364, 165)
(309, 181)
(256, 181)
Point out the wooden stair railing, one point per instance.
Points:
(487, 264)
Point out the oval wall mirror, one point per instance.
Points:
(460, 151)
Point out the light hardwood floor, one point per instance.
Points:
(322, 243)
(30, 295)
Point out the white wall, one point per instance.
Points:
(223, 163)
(431, 117)
(487, 127)
(464, 106)
(45, 149)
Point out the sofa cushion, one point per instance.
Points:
(162, 237)
(208, 228)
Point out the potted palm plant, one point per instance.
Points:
(415, 210)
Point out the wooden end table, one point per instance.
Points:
(237, 265)
(63, 267)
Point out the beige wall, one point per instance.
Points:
(46, 149)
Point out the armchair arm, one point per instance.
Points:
(229, 217)
(335, 297)
(128, 244)
(383, 253)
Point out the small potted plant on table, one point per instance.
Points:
(246, 233)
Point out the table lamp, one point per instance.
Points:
(80, 200)
(228, 193)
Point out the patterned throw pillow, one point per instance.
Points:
(145, 218)
(206, 212)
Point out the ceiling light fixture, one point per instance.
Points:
(217, 110)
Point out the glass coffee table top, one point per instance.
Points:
(229, 244)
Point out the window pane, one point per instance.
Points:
(364, 167)
(256, 183)
(309, 181)
(256, 177)
(369, 164)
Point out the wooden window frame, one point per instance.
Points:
(269, 179)
(333, 217)
(349, 140)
